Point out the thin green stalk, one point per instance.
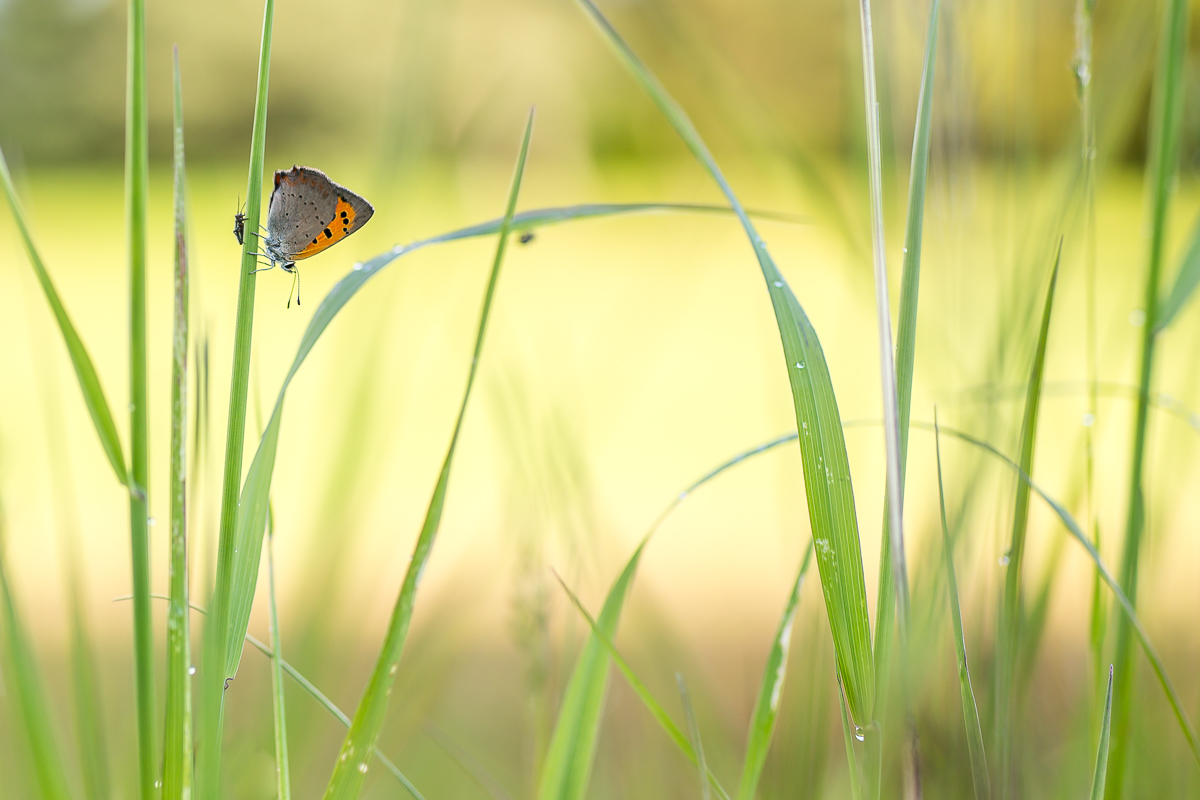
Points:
(1008, 632)
(283, 785)
(906, 338)
(313, 691)
(883, 315)
(1101, 771)
(1087, 119)
(137, 190)
(350, 769)
(217, 630)
(979, 771)
(689, 714)
(1166, 117)
(177, 736)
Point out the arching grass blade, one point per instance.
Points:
(349, 770)
(85, 371)
(827, 481)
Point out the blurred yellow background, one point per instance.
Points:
(626, 357)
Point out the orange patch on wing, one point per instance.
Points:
(339, 228)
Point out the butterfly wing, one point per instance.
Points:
(309, 213)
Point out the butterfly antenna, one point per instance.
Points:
(295, 288)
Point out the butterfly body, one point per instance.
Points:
(309, 213)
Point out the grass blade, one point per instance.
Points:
(887, 366)
(1008, 631)
(177, 736)
(30, 701)
(220, 633)
(979, 771)
(906, 342)
(1102, 748)
(600, 636)
(85, 371)
(689, 713)
(316, 694)
(1187, 278)
(827, 481)
(1165, 121)
(770, 689)
(137, 191)
(350, 769)
(848, 736)
(283, 781)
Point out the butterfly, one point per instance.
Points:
(308, 213)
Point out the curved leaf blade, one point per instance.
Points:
(85, 370)
(350, 769)
(827, 482)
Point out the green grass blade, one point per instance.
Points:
(1131, 617)
(283, 781)
(1187, 278)
(24, 683)
(350, 768)
(220, 634)
(1165, 121)
(689, 714)
(603, 639)
(85, 371)
(906, 338)
(827, 481)
(979, 771)
(848, 735)
(1101, 771)
(137, 191)
(567, 766)
(1008, 631)
(770, 689)
(883, 314)
(906, 343)
(177, 736)
(315, 693)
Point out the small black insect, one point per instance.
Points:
(526, 237)
(239, 227)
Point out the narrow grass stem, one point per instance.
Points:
(216, 631)
(137, 189)
(1166, 117)
(177, 734)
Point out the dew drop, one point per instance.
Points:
(191, 670)
(357, 267)
(778, 284)
(1004, 560)
(1088, 420)
(362, 767)
(799, 365)
(1137, 318)
(158, 784)
(858, 733)
(151, 521)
